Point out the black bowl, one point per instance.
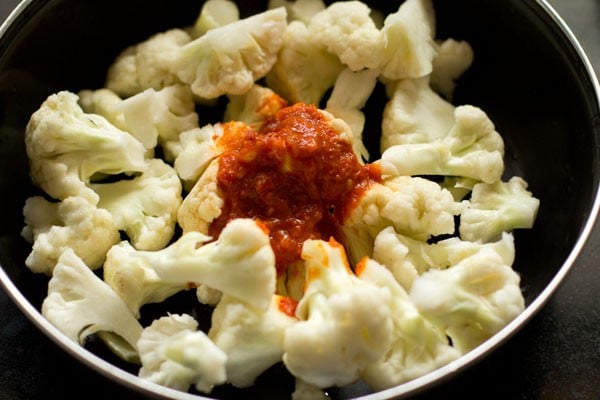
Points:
(529, 75)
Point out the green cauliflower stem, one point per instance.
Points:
(74, 224)
(132, 279)
(419, 346)
(345, 322)
(251, 338)
(497, 208)
(174, 353)
(80, 304)
(146, 65)
(240, 263)
(304, 71)
(472, 149)
(145, 207)
(67, 148)
(229, 59)
(347, 30)
(474, 298)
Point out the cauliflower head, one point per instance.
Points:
(230, 58)
(80, 304)
(251, 338)
(74, 224)
(177, 355)
(67, 148)
(345, 322)
(145, 208)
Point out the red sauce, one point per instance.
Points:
(295, 174)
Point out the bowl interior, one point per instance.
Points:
(527, 76)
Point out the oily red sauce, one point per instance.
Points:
(295, 174)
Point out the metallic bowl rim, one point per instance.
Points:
(146, 387)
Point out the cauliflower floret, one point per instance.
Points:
(414, 206)
(408, 36)
(471, 149)
(132, 279)
(349, 96)
(304, 71)
(203, 204)
(408, 258)
(344, 322)
(251, 338)
(419, 347)
(80, 304)
(214, 14)
(415, 114)
(229, 59)
(346, 29)
(474, 298)
(452, 60)
(145, 207)
(153, 117)
(254, 108)
(195, 151)
(306, 391)
(67, 148)
(177, 355)
(74, 224)
(496, 208)
(299, 10)
(147, 65)
(240, 263)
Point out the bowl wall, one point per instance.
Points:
(529, 76)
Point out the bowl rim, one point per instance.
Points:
(412, 387)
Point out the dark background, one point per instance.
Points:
(556, 356)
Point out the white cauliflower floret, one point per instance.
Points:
(229, 59)
(195, 151)
(214, 14)
(415, 114)
(203, 204)
(153, 117)
(419, 347)
(240, 263)
(254, 108)
(496, 208)
(74, 224)
(304, 71)
(147, 65)
(344, 322)
(80, 304)
(67, 148)
(349, 96)
(299, 10)
(251, 338)
(471, 149)
(453, 59)
(414, 206)
(133, 280)
(408, 258)
(346, 29)
(408, 36)
(177, 355)
(473, 300)
(145, 207)
(306, 391)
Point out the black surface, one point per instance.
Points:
(556, 356)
